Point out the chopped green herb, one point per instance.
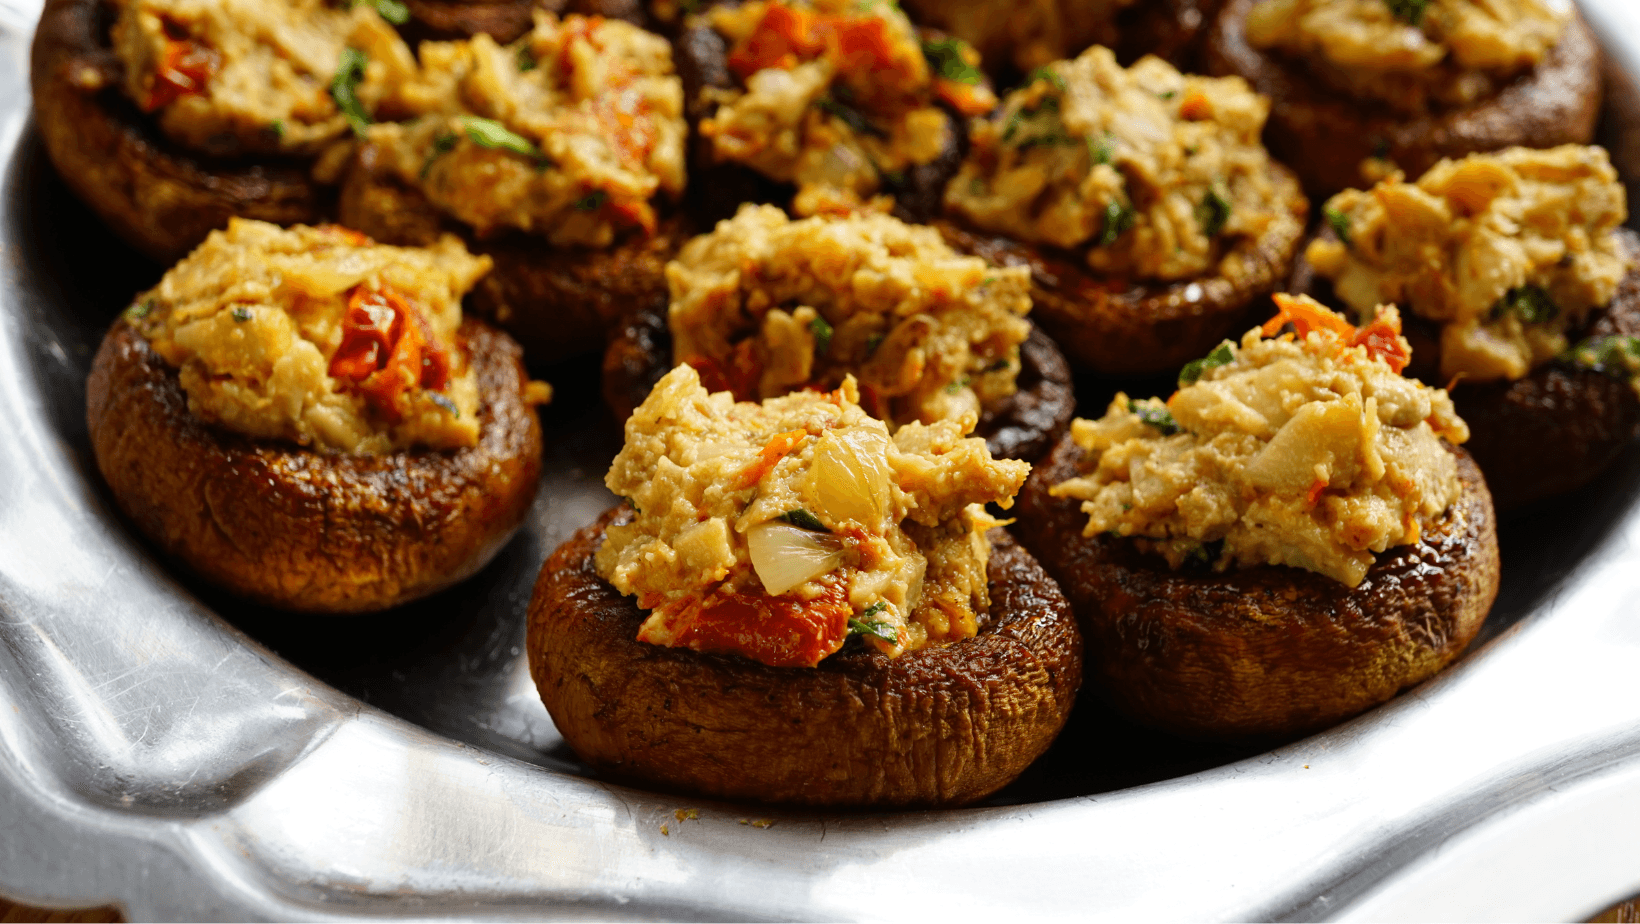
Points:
(592, 201)
(1614, 355)
(873, 342)
(822, 335)
(443, 143)
(999, 365)
(976, 187)
(1018, 118)
(874, 609)
(802, 519)
(1103, 150)
(444, 402)
(850, 117)
(958, 385)
(344, 86)
(1214, 211)
(1408, 11)
(633, 504)
(1340, 224)
(1045, 72)
(878, 630)
(1119, 216)
(1529, 303)
(277, 127)
(1167, 94)
(526, 59)
(241, 314)
(1193, 370)
(393, 11)
(946, 58)
(1206, 553)
(1159, 417)
(140, 310)
(488, 133)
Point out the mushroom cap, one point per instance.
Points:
(939, 726)
(306, 530)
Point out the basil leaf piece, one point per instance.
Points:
(1614, 355)
(1214, 211)
(592, 201)
(1529, 303)
(1103, 151)
(1158, 417)
(343, 89)
(1119, 216)
(822, 335)
(240, 314)
(526, 59)
(488, 133)
(802, 519)
(1193, 370)
(1340, 224)
(140, 310)
(878, 630)
(946, 59)
(393, 11)
(1045, 72)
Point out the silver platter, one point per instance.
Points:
(169, 749)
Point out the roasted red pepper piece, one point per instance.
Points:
(777, 631)
(184, 69)
(386, 350)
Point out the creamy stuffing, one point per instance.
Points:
(765, 305)
(1412, 54)
(320, 336)
(232, 76)
(1309, 450)
(835, 96)
(570, 132)
(1155, 174)
(778, 530)
(1506, 251)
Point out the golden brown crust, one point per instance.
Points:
(1553, 431)
(1022, 427)
(940, 726)
(1268, 652)
(558, 301)
(1133, 328)
(1324, 136)
(158, 196)
(306, 530)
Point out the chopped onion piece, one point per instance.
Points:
(785, 556)
(849, 479)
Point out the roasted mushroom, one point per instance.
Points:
(1526, 290)
(1289, 540)
(1152, 220)
(570, 196)
(765, 305)
(824, 105)
(1390, 85)
(294, 416)
(163, 181)
(820, 618)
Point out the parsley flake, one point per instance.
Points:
(1193, 370)
(344, 89)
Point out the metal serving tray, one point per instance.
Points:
(170, 749)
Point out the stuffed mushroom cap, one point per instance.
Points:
(1287, 468)
(303, 417)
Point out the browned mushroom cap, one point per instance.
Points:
(1134, 328)
(1325, 137)
(158, 196)
(1551, 432)
(1021, 427)
(718, 188)
(306, 530)
(1267, 652)
(939, 726)
(558, 301)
